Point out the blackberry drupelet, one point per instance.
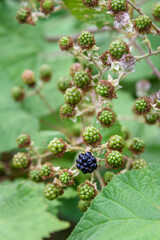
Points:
(86, 162)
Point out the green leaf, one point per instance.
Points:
(23, 213)
(81, 12)
(128, 208)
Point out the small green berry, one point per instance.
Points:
(21, 160)
(46, 169)
(45, 72)
(57, 147)
(86, 40)
(28, 77)
(117, 6)
(35, 175)
(156, 12)
(47, 6)
(82, 79)
(105, 89)
(151, 118)
(142, 105)
(76, 67)
(72, 96)
(90, 3)
(23, 140)
(106, 117)
(139, 164)
(108, 176)
(17, 94)
(86, 191)
(118, 48)
(116, 142)
(92, 136)
(23, 14)
(52, 191)
(63, 83)
(67, 111)
(137, 146)
(115, 159)
(66, 43)
(83, 205)
(142, 24)
(66, 177)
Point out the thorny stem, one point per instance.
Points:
(147, 55)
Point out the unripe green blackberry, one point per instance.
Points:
(151, 118)
(23, 14)
(137, 146)
(47, 170)
(105, 89)
(57, 147)
(66, 177)
(106, 117)
(66, 43)
(35, 175)
(82, 79)
(21, 160)
(72, 96)
(45, 72)
(86, 191)
(90, 3)
(17, 94)
(47, 6)
(28, 77)
(139, 164)
(23, 140)
(118, 48)
(142, 24)
(114, 159)
(116, 142)
(105, 57)
(117, 6)
(156, 12)
(76, 67)
(52, 191)
(83, 205)
(67, 111)
(108, 176)
(91, 136)
(86, 40)
(142, 106)
(63, 83)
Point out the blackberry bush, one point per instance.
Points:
(118, 49)
(114, 159)
(52, 191)
(21, 160)
(86, 40)
(86, 162)
(139, 164)
(86, 191)
(72, 96)
(106, 117)
(82, 79)
(137, 146)
(116, 143)
(91, 136)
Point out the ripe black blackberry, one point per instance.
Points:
(86, 162)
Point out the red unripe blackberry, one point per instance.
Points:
(28, 77)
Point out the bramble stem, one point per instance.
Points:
(147, 55)
(100, 179)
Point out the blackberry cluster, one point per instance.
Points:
(52, 191)
(63, 83)
(86, 191)
(87, 163)
(83, 205)
(116, 143)
(106, 117)
(35, 175)
(142, 105)
(72, 96)
(86, 40)
(142, 24)
(21, 160)
(47, 6)
(82, 79)
(57, 147)
(151, 118)
(91, 135)
(118, 48)
(76, 67)
(115, 159)
(156, 12)
(90, 3)
(105, 89)
(66, 177)
(23, 140)
(28, 77)
(45, 72)
(137, 146)
(118, 5)
(66, 43)
(67, 111)
(17, 94)
(139, 164)
(46, 170)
